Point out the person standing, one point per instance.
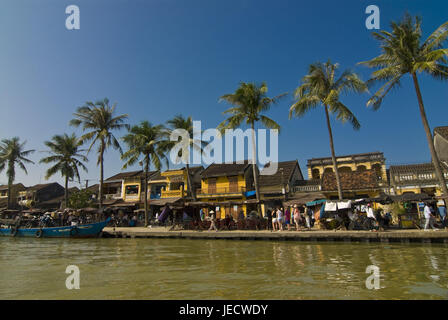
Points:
(269, 217)
(296, 217)
(274, 219)
(307, 217)
(442, 213)
(428, 217)
(280, 219)
(288, 218)
(201, 214)
(212, 221)
(371, 217)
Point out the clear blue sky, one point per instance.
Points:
(158, 58)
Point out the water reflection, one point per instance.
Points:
(216, 269)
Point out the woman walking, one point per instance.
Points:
(296, 217)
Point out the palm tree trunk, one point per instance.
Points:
(189, 184)
(10, 182)
(146, 189)
(333, 156)
(66, 192)
(435, 158)
(254, 165)
(100, 191)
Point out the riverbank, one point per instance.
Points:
(403, 236)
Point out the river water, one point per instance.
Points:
(219, 269)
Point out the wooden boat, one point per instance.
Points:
(82, 231)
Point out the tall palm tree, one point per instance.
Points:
(64, 150)
(180, 122)
(12, 153)
(99, 120)
(403, 52)
(323, 86)
(147, 141)
(250, 101)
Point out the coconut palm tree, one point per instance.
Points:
(182, 123)
(323, 86)
(403, 52)
(147, 141)
(250, 101)
(99, 120)
(12, 153)
(64, 153)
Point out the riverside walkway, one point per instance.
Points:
(392, 235)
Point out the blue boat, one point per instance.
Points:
(82, 231)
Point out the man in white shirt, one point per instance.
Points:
(428, 217)
(371, 216)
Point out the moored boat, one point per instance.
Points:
(89, 230)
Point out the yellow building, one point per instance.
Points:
(415, 178)
(227, 189)
(349, 163)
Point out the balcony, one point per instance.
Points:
(221, 190)
(173, 193)
(306, 188)
(112, 196)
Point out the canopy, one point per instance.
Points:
(316, 202)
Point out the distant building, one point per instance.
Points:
(39, 196)
(227, 187)
(16, 189)
(349, 163)
(441, 143)
(415, 178)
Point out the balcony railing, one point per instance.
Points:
(307, 188)
(221, 190)
(173, 193)
(112, 196)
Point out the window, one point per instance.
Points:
(132, 190)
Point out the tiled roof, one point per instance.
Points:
(123, 175)
(38, 187)
(354, 180)
(443, 131)
(276, 179)
(413, 168)
(369, 156)
(225, 169)
(17, 185)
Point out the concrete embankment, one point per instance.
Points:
(403, 236)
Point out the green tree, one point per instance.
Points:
(12, 153)
(404, 53)
(147, 141)
(80, 199)
(250, 102)
(64, 153)
(323, 86)
(99, 120)
(182, 123)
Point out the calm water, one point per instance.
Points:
(219, 269)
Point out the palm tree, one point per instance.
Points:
(402, 52)
(12, 153)
(100, 121)
(64, 150)
(180, 122)
(323, 86)
(250, 102)
(148, 141)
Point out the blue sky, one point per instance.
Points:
(159, 58)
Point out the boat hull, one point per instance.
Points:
(82, 231)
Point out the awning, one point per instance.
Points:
(316, 202)
(221, 203)
(303, 198)
(165, 201)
